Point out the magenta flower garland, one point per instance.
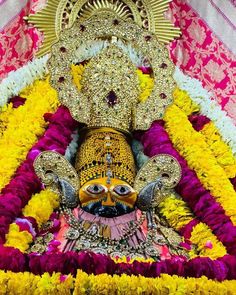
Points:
(25, 182)
(156, 141)
(68, 263)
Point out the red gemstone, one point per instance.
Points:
(163, 95)
(148, 38)
(115, 22)
(163, 66)
(63, 49)
(82, 28)
(111, 98)
(61, 79)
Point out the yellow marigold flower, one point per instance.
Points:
(201, 234)
(77, 71)
(5, 113)
(18, 239)
(193, 147)
(176, 212)
(41, 206)
(146, 85)
(184, 102)
(220, 149)
(24, 127)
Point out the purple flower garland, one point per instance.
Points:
(156, 141)
(25, 182)
(68, 263)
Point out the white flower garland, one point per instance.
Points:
(19, 79)
(208, 107)
(72, 147)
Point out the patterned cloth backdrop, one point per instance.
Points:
(205, 51)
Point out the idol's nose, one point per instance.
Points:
(108, 201)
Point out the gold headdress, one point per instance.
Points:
(111, 77)
(59, 15)
(105, 153)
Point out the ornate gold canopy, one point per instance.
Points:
(60, 14)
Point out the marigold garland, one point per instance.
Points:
(184, 102)
(18, 239)
(208, 107)
(207, 243)
(220, 149)
(165, 284)
(5, 113)
(61, 127)
(193, 148)
(24, 127)
(178, 214)
(41, 206)
(27, 283)
(205, 207)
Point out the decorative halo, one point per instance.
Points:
(62, 14)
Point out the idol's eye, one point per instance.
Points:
(95, 189)
(122, 190)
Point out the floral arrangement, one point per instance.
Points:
(194, 130)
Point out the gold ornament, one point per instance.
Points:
(103, 151)
(91, 105)
(61, 14)
(51, 166)
(162, 167)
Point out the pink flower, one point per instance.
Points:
(208, 244)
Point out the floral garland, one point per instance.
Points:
(41, 206)
(146, 85)
(68, 263)
(124, 284)
(204, 206)
(21, 78)
(192, 146)
(5, 113)
(24, 127)
(17, 238)
(208, 107)
(179, 215)
(27, 283)
(25, 183)
(219, 148)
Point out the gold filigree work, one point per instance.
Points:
(51, 166)
(64, 53)
(101, 151)
(61, 14)
(162, 167)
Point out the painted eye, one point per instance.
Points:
(95, 189)
(122, 190)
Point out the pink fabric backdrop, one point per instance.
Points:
(200, 52)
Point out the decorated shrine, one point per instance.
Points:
(118, 148)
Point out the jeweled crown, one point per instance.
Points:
(105, 152)
(111, 84)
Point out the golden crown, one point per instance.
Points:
(110, 85)
(105, 152)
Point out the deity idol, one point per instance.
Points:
(107, 206)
